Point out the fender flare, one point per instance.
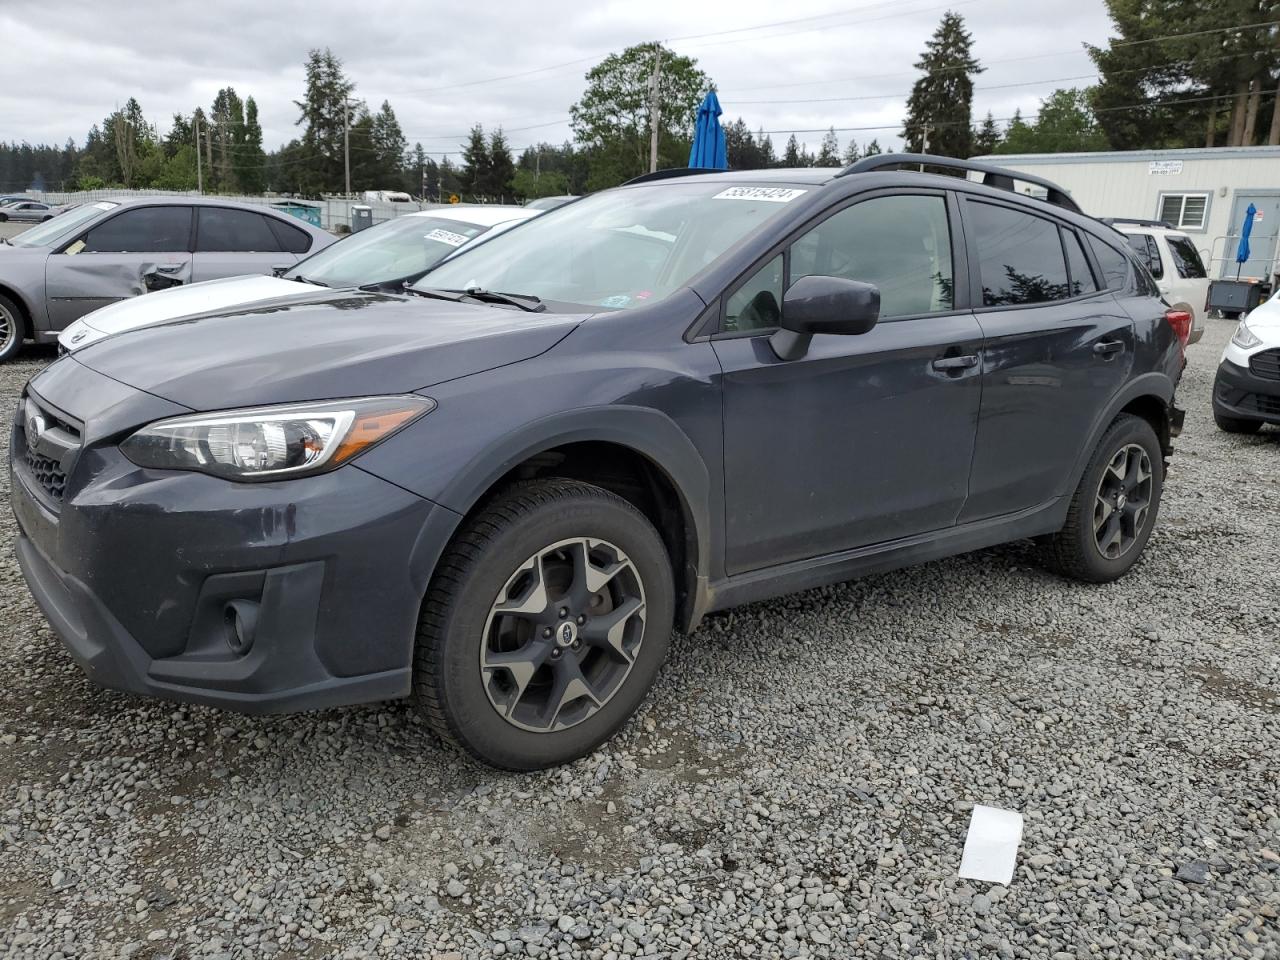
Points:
(1157, 385)
(643, 430)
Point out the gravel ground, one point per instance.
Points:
(798, 785)
(8, 229)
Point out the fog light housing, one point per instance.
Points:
(241, 619)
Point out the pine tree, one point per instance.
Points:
(829, 152)
(322, 109)
(475, 163)
(939, 111)
(873, 149)
(764, 144)
(986, 139)
(250, 161)
(388, 147)
(502, 167)
(851, 153)
(791, 156)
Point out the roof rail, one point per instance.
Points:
(670, 173)
(1001, 178)
(1134, 222)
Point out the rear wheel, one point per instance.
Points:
(544, 626)
(12, 329)
(1114, 508)
(1236, 424)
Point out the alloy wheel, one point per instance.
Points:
(1123, 502)
(8, 329)
(563, 634)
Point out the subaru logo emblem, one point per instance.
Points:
(567, 634)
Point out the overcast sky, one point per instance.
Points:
(66, 64)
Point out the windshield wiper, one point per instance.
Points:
(301, 279)
(526, 302)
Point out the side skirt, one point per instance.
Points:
(879, 558)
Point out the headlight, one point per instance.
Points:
(1244, 338)
(273, 443)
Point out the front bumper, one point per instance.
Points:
(135, 571)
(1242, 394)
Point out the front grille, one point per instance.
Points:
(1266, 364)
(1261, 403)
(50, 452)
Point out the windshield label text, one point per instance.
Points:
(768, 194)
(446, 236)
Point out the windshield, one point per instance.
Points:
(51, 231)
(618, 249)
(400, 248)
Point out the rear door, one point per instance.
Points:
(863, 439)
(138, 249)
(1056, 347)
(231, 242)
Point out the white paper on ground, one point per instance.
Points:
(991, 846)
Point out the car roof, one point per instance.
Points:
(812, 175)
(162, 200)
(1145, 226)
(480, 214)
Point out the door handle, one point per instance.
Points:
(1105, 348)
(952, 364)
(169, 267)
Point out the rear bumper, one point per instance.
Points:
(1241, 394)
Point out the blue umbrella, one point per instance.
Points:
(1242, 251)
(708, 151)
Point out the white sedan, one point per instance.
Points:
(1246, 390)
(389, 255)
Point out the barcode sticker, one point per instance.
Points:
(768, 194)
(446, 236)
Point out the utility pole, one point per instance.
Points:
(655, 109)
(924, 143)
(199, 167)
(346, 142)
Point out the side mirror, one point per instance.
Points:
(824, 305)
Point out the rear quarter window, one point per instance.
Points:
(288, 236)
(1186, 258)
(1114, 264)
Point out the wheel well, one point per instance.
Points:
(1153, 410)
(635, 478)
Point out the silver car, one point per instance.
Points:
(100, 253)
(31, 211)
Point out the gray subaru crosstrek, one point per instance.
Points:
(501, 490)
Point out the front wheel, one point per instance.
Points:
(544, 626)
(1114, 508)
(12, 329)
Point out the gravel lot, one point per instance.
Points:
(799, 784)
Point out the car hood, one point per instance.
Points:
(177, 302)
(1265, 319)
(345, 344)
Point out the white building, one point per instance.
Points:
(1204, 192)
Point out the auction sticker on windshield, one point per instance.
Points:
(446, 236)
(770, 194)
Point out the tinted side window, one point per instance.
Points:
(224, 230)
(1186, 258)
(1114, 264)
(1019, 256)
(289, 237)
(901, 244)
(142, 230)
(757, 304)
(1078, 264)
(1144, 245)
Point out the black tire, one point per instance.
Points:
(13, 328)
(4, 218)
(1074, 551)
(43, 219)
(478, 568)
(1235, 424)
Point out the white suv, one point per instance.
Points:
(1175, 264)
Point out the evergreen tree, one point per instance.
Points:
(986, 139)
(322, 109)
(226, 134)
(387, 148)
(764, 143)
(829, 152)
(250, 160)
(939, 110)
(872, 149)
(1065, 124)
(851, 154)
(502, 167)
(791, 155)
(475, 163)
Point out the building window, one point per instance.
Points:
(1186, 211)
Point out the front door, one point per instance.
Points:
(138, 249)
(864, 439)
(1057, 347)
(1262, 239)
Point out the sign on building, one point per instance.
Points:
(1164, 167)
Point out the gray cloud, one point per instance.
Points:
(58, 79)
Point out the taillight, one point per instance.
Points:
(1180, 320)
